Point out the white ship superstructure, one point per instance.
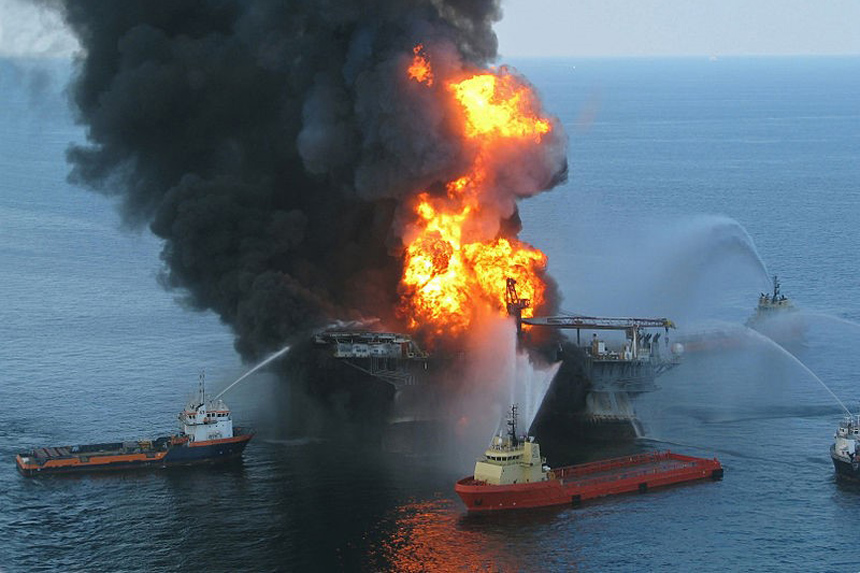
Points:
(203, 420)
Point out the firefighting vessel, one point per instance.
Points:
(778, 318)
(207, 435)
(771, 305)
(512, 475)
(845, 451)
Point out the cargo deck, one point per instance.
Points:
(575, 484)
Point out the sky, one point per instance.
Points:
(583, 28)
(593, 28)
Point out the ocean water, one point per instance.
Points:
(691, 181)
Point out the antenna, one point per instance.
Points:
(202, 386)
(512, 426)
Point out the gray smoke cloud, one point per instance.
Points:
(272, 144)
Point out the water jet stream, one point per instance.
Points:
(759, 336)
(834, 318)
(254, 369)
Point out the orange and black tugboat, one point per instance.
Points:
(512, 475)
(207, 435)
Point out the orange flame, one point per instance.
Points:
(449, 277)
(420, 69)
(498, 106)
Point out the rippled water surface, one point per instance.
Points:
(685, 176)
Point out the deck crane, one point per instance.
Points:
(515, 304)
(630, 325)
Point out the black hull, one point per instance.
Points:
(177, 456)
(845, 469)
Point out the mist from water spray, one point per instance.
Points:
(528, 386)
(266, 361)
(525, 382)
(498, 375)
(717, 232)
(683, 270)
(703, 262)
(832, 317)
(770, 342)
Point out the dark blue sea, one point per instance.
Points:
(691, 182)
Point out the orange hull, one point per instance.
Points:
(164, 452)
(574, 484)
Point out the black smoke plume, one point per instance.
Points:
(270, 144)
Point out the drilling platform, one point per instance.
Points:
(386, 382)
(389, 356)
(380, 386)
(592, 394)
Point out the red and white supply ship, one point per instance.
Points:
(207, 435)
(512, 475)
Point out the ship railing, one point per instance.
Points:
(612, 464)
(633, 473)
(606, 465)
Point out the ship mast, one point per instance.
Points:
(202, 387)
(512, 426)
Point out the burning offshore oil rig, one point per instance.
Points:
(589, 397)
(341, 161)
(460, 246)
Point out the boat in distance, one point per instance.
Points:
(207, 435)
(512, 475)
(771, 305)
(845, 451)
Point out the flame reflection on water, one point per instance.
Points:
(437, 535)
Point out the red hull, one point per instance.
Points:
(573, 484)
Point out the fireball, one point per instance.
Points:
(449, 278)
